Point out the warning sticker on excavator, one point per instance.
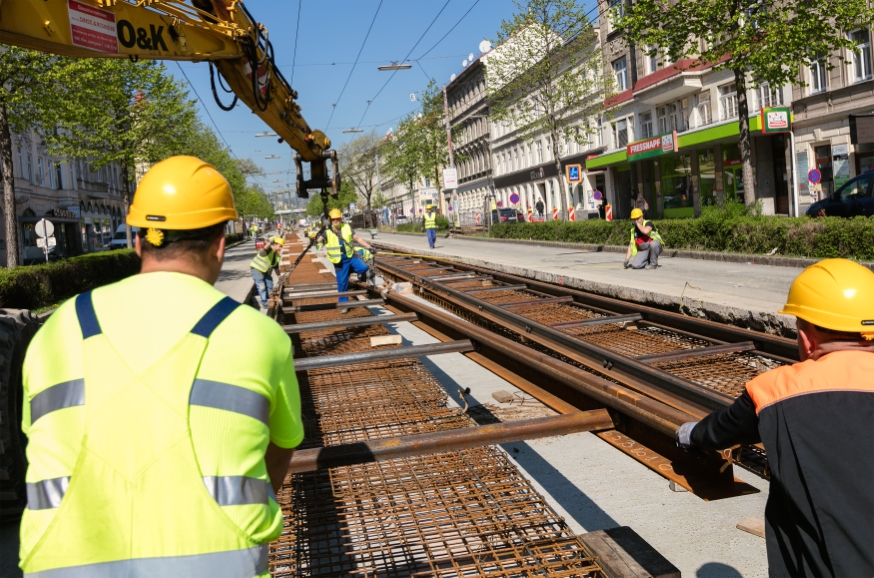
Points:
(92, 27)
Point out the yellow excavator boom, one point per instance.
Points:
(222, 32)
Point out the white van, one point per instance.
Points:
(119, 240)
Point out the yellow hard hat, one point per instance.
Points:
(636, 214)
(279, 241)
(182, 193)
(335, 214)
(836, 294)
(429, 206)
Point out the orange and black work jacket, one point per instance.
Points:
(816, 421)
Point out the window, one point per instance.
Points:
(40, 174)
(651, 59)
(856, 190)
(539, 152)
(516, 165)
(728, 101)
(617, 11)
(620, 133)
(427, 183)
(599, 130)
(702, 108)
(30, 167)
(677, 115)
(60, 176)
(620, 71)
(861, 55)
(817, 74)
(662, 117)
(645, 119)
(549, 148)
(768, 96)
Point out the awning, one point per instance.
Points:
(52, 219)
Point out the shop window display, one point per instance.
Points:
(676, 174)
(706, 177)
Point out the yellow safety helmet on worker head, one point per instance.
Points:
(335, 214)
(636, 214)
(279, 241)
(429, 207)
(182, 193)
(835, 294)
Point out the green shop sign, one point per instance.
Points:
(776, 119)
(652, 147)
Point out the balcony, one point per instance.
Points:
(671, 83)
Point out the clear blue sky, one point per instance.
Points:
(331, 34)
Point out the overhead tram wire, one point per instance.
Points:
(367, 108)
(211, 119)
(352, 71)
(296, 36)
(463, 16)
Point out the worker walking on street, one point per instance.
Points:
(815, 421)
(160, 413)
(262, 266)
(339, 244)
(431, 225)
(645, 245)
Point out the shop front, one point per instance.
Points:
(66, 235)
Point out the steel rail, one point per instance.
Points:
(348, 323)
(322, 294)
(337, 305)
(614, 364)
(323, 361)
(310, 460)
(783, 348)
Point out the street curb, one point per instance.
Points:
(775, 261)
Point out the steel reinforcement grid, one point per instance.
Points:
(452, 514)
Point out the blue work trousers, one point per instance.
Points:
(264, 284)
(344, 269)
(432, 237)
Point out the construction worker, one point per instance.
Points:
(815, 420)
(645, 245)
(431, 224)
(255, 230)
(159, 411)
(339, 243)
(262, 266)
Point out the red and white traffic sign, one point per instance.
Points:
(571, 215)
(92, 27)
(555, 213)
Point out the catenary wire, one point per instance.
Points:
(296, 36)
(463, 16)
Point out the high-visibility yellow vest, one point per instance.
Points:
(116, 483)
(365, 254)
(431, 220)
(265, 264)
(338, 246)
(652, 235)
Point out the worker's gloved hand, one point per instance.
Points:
(626, 264)
(684, 435)
(374, 251)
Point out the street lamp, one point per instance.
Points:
(348, 130)
(273, 157)
(260, 134)
(395, 66)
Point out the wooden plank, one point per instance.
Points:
(755, 526)
(622, 553)
(503, 396)
(378, 340)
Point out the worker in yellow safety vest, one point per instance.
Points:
(646, 244)
(431, 225)
(160, 413)
(262, 266)
(339, 244)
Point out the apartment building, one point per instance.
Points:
(85, 205)
(672, 133)
(834, 119)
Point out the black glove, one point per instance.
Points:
(373, 251)
(684, 435)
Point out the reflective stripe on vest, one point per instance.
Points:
(430, 220)
(264, 264)
(119, 478)
(336, 247)
(230, 564)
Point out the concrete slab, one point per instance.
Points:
(743, 294)
(595, 487)
(234, 279)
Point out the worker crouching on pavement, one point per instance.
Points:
(431, 225)
(815, 420)
(339, 244)
(160, 413)
(262, 266)
(645, 245)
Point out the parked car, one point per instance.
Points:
(119, 240)
(505, 216)
(855, 198)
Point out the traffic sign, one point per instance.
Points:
(514, 198)
(573, 173)
(814, 176)
(44, 228)
(598, 195)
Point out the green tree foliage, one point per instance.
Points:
(33, 86)
(253, 202)
(360, 157)
(760, 42)
(545, 76)
(435, 153)
(124, 112)
(404, 151)
(346, 195)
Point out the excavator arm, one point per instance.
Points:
(221, 32)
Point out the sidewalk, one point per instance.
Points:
(234, 279)
(743, 294)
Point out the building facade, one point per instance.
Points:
(834, 126)
(84, 205)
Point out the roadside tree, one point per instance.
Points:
(404, 151)
(545, 77)
(360, 158)
(762, 43)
